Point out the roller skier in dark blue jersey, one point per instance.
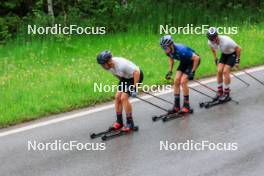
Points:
(189, 62)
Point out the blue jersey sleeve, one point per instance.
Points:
(185, 53)
(182, 53)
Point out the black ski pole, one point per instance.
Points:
(152, 104)
(210, 88)
(209, 95)
(240, 79)
(201, 93)
(158, 97)
(253, 77)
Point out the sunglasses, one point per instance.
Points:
(165, 47)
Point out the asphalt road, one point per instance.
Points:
(139, 153)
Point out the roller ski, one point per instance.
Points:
(181, 113)
(156, 118)
(128, 129)
(171, 112)
(216, 101)
(116, 127)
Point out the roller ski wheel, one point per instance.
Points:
(109, 130)
(201, 104)
(180, 114)
(118, 133)
(93, 135)
(154, 118)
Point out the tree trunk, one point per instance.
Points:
(64, 15)
(50, 11)
(123, 2)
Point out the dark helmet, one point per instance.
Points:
(166, 41)
(103, 57)
(212, 33)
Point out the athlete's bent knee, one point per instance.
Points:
(118, 97)
(184, 82)
(177, 82)
(220, 71)
(124, 97)
(226, 72)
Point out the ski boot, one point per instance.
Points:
(117, 126)
(225, 97)
(129, 126)
(174, 110)
(186, 107)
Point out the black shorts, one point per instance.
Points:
(186, 66)
(228, 59)
(124, 83)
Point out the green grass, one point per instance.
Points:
(52, 75)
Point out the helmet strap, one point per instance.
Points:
(172, 48)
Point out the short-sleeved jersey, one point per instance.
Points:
(181, 53)
(226, 44)
(123, 68)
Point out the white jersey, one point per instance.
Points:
(123, 68)
(226, 44)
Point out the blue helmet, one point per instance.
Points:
(212, 33)
(103, 57)
(166, 40)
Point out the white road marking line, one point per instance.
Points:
(79, 114)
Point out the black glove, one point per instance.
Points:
(237, 60)
(168, 75)
(191, 75)
(216, 61)
(134, 94)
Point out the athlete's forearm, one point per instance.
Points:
(196, 60)
(238, 51)
(136, 76)
(171, 61)
(214, 53)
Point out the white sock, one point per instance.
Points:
(226, 86)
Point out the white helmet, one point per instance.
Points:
(212, 33)
(166, 41)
